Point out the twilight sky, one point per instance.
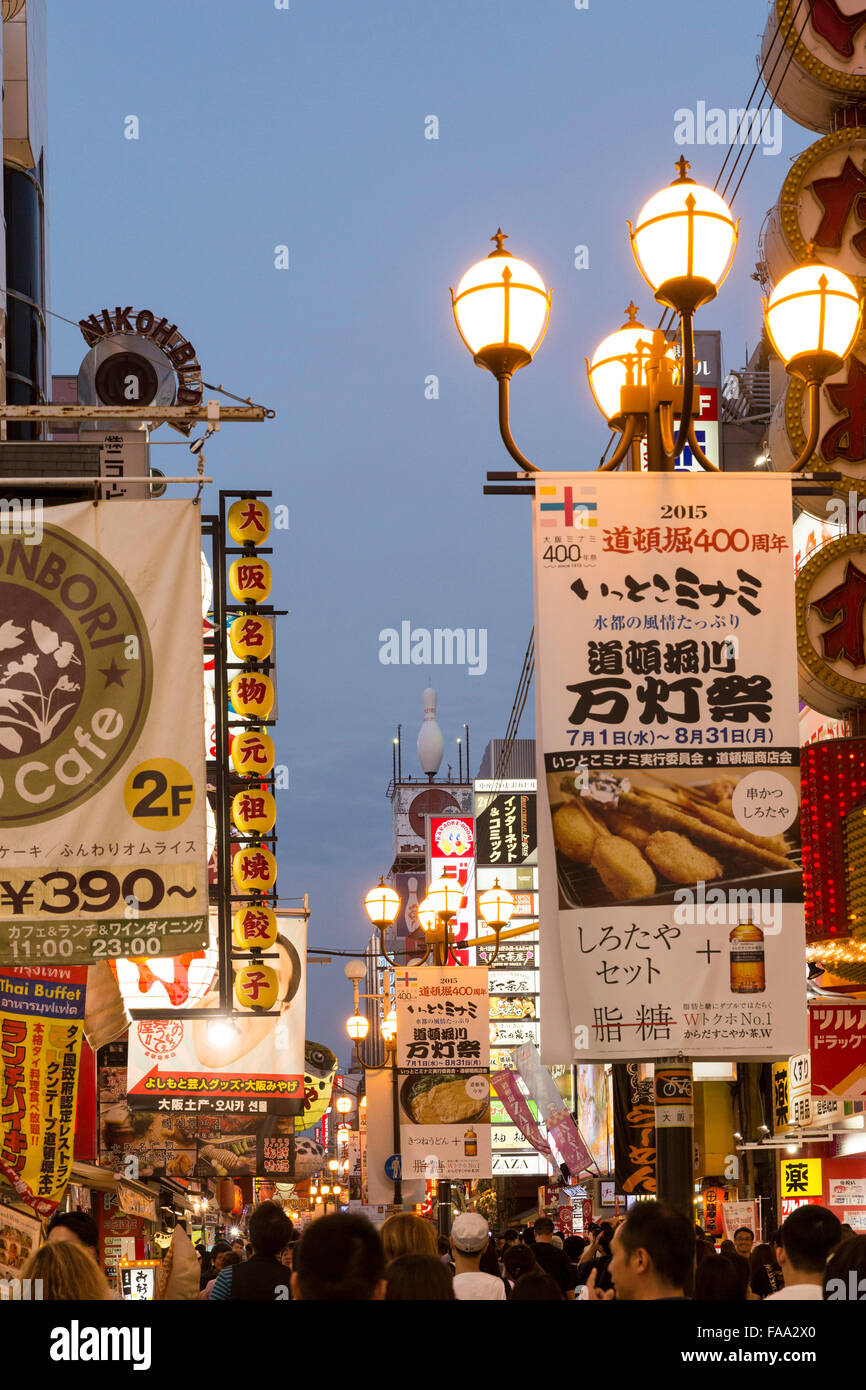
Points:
(305, 127)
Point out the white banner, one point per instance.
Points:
(668, 746)
(102, 772)
(443, 1059)
(737, 1214)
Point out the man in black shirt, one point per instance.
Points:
(554, 1262)
(261, 1279)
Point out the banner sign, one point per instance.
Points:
(563, 1135)
(838, 1047)
(41, 1028)
(668, 749)
(801, 1177)
(505, 1085)
(737, 1214)
(451, 852)
(634, 1125)
(102, 770)
(506, 830)
(443, 1059)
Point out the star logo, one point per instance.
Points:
(113, 674)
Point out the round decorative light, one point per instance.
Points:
(444, 896)
(254, 927)
(257, 986)
(382, 904)
(426, 916)
(249, 521)
(621, 359)
(501, 308)
(813, 319)
(250, 579)
(357, 1027)
(496, 906)
(254, 870)
(684, 242)
(252, 694)
(344, 1104)
(388, 1026)
(253, 754)
(354, 970)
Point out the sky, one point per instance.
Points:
(307, 127)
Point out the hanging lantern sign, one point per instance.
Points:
(257, 987)
(252, 694)
(254, 869)
(249, 521)
(251, 637)
(254, 928)
(253, 754)
(250, 579)
(254, 812)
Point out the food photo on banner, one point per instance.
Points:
(668, 747)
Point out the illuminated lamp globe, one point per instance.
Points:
(444, 896)
(337, 1189)
(813, 319)
(342, 1135)
(501, 309)
(357, 1027)
(496, 906)
(621, 359)
(426, 916)
(326, 1187)
(388, 1026)
(333, 1164)
(355, 970)
(344, 1104)
(684, 242)
(382, 905)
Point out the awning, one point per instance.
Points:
(92, 1176)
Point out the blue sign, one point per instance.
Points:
(394, 1168)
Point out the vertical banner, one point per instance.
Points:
(505, 1085)
(634, 1129)
(443, 1060)
(451, 852)
(102, 769)
(41, 1028)
(565, 1140)
(668, 770)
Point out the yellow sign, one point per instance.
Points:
(254, 811)
(253, 754)
(249, 521)
(250, 579)
(254, 869)
(257, 986)
(801, 1177)
(781, 1097)
(251, 637)
(252, 693)
(254, 928)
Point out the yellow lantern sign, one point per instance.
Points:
(257, 987)
(253, 754)
(254, 869)
(250, 579)
(254, 928)
(254, 812)
(252, 694)
(249, 521)
(251, 637)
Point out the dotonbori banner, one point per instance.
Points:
(41, 1027)
(443, 1059)
(102, 775)
(669, 751)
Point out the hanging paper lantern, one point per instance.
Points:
(249, 521)
(254, 928)
(252, 637)
(254, 812)
(250, 579)
(256, 986)
(254, 869)
(252, 693)
(253, 754)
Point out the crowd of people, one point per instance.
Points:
(653, 1253)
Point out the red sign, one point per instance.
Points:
(833, 784)
(837, 1041)
(452, 854)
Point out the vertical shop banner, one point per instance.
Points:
(506, 833)
(443, 1060)
(451, 852)
(41, 1028)
(668, 749)
(505, 1085)
(634, 1128)
(838, 1049)
(563, 1135)
(102, 770)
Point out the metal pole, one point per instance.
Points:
(395, 1095)
(674, 1116)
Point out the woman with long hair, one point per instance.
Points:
(405, 1234)
(68, 1274)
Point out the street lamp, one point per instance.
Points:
(813, 317)
(343, 1104)
(496, 907)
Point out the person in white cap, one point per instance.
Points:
(469, 1236)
